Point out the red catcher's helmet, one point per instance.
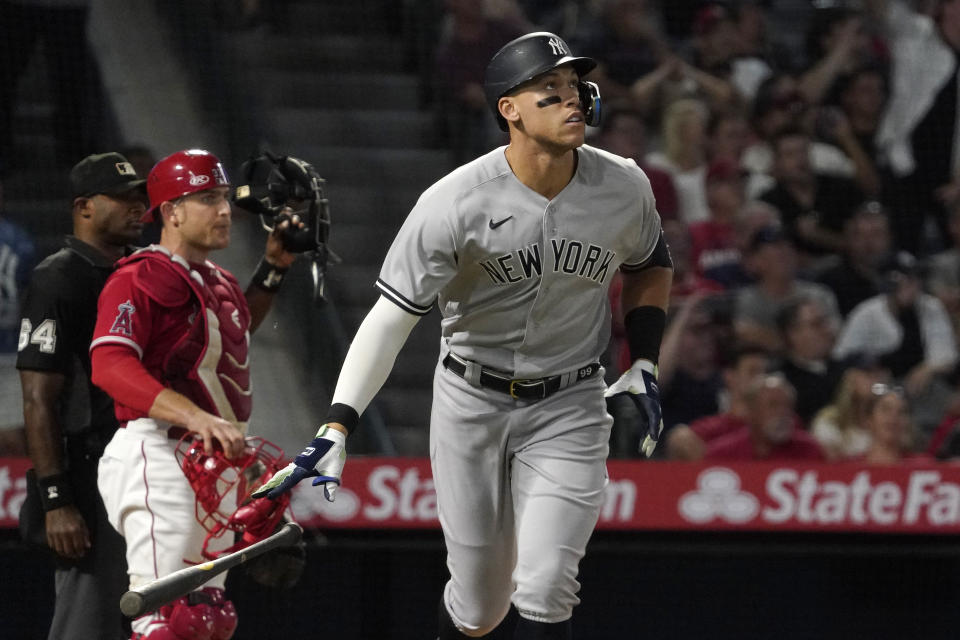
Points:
(182, 173)
(223, 489)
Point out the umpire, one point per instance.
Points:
(68, 420)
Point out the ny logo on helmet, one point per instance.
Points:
(557, 47)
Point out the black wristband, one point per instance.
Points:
(55, 491)
(268, 277)
(344, 414)
(644, 326)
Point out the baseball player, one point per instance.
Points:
(171, 347)
(68, 420)
(518, 249)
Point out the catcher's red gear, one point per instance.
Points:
(199, 615)
(182, 173)
(216, 480)
(223, 612)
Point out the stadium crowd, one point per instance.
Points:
(804, 158)
(807, 181)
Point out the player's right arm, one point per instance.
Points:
(66, 530)
(369, 361)
(421, 260)
(121, 335)
(43, 358)
(119, 372)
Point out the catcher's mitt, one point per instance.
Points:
(280, 568)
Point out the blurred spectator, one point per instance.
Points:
(861, 99)
(754, 34)
(943, 271)
(840, 426)
(623, 132)
(689, 375)
(730, 75)
(709, 74)
(809, 332)
(684, 156)
(918, 134)
(17, 255)
(833, 128)
(887, 420)
(728, 135)
(907, 329)
(773, 430)
(779, 105)
(814, 207)
(837, 42)
(728, 138)
(713, 251)
(867, 244)
(686, 281)
(627, 42)
(468, 41)
(62, 27)
(753, 216)
(689, 442)
(772, 259)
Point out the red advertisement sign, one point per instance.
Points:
(385, 493)
(13, 489)
(398, 492)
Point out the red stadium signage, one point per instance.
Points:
(13, 489)
(398, 493)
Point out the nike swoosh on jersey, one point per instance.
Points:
(494, 225)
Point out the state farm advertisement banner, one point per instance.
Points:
(398, 492)
(385, 493)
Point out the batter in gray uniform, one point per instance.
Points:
(517, 248)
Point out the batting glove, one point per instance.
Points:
(640, 385)
(323, 458)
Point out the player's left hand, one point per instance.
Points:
(276, 252)
(640, 385)
(323, 458)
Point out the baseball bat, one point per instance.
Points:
(153, 595)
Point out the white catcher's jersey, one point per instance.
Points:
(522, 281)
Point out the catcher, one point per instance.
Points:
(171, 347)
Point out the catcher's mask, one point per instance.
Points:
(223, 489)
(278, 187)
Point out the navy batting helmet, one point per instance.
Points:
(526, 58)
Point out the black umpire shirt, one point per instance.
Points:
(59, 313)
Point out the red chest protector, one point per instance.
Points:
(209, 362)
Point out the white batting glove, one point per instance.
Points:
(323, 459)
(640, 385)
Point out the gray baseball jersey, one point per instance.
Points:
(522, 285)
(521, 282)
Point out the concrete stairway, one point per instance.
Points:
(336, 92)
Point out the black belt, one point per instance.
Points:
(523, 389)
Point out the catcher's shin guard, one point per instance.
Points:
(199, 615)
